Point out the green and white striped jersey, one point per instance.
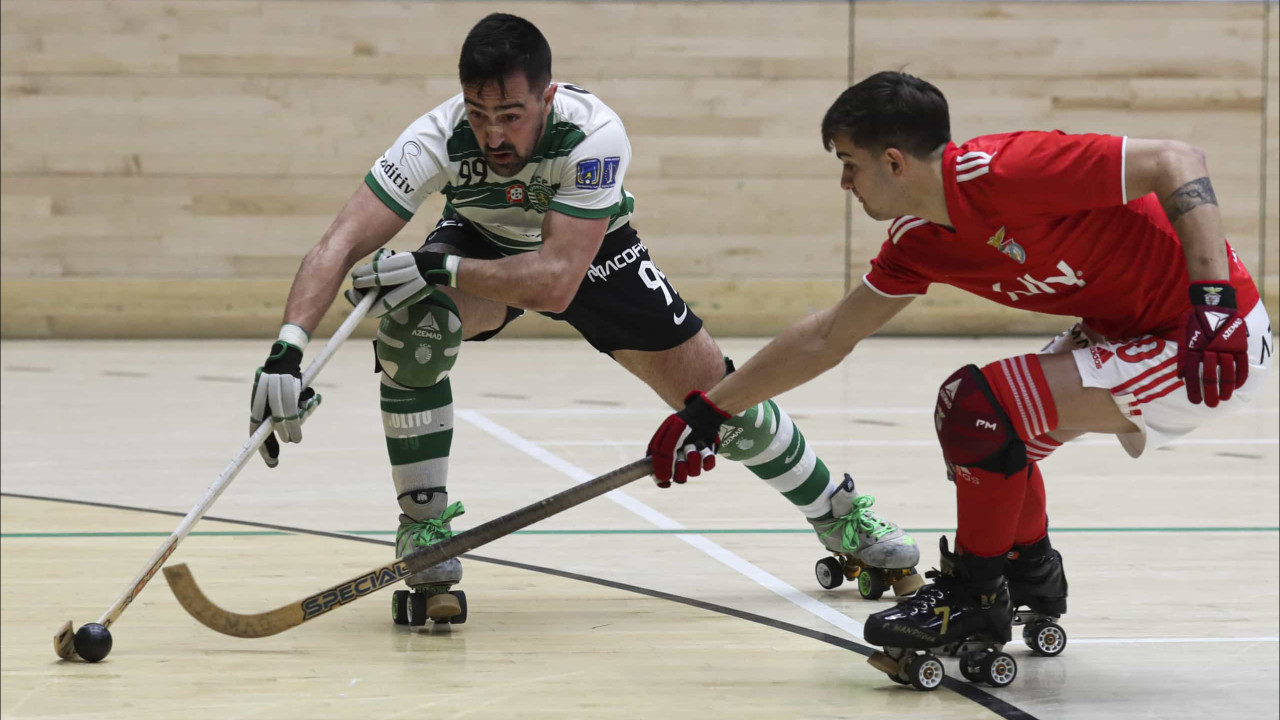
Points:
(576, 169)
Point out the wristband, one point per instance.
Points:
(451, 263)
(294, 335)
(1212, 293)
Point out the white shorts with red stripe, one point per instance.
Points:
(1142, 375)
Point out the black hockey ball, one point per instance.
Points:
(93, 642)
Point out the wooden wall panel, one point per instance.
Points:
(200, 148)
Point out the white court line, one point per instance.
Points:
(811, 605)
(1106, 441)
(1162, 640)
(815, 607)
(659, 411)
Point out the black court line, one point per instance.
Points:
(965, 689)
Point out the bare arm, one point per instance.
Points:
(364, 225)
(1177, 174)
(806, 349)
(545, 279)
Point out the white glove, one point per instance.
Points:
(408, 277)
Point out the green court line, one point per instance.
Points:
(718, 531)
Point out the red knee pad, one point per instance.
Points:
(973, 429)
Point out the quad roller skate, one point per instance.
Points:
(1038, 593)
(429, 596)
(865, 547)
(954, 615)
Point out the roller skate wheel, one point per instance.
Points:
(970, 670)
(1045, 639)
(461, 617)
(871, 584)
(400, 607)
(998, 669)
(908, 584)
(926, 672)
(416, 612)
(829, 573)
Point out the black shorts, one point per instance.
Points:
(623, 303)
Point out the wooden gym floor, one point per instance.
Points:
(694, 602)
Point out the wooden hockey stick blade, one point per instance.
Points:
(64, 643)
(198, 605)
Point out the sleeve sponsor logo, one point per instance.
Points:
(397, 178)
(610, 171)
(410, 149)
(588, 174)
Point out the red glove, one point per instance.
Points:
(1216, 347)
(686, 442)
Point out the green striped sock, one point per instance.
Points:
(769, 444)
(418, 423)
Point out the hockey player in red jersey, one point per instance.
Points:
(1123, 233)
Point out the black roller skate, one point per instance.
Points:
(1038, 592)
(956, 614)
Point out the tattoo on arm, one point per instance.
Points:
(1189, 197)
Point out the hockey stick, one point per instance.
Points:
(194, 601)
(64, 641)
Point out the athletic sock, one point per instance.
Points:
(418, 423)
(770, 445)
(990, 510)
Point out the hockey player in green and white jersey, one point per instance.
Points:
(536, 219)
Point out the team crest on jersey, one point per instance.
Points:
(1008, 246)
(515, 194)
(610, 171)
(588, 174)
(538, 194)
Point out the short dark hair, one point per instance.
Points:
(500, 45)
(890, 109)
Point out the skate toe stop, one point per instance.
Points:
(443, 606)
(883, 663)
(908, 585)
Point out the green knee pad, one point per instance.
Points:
(746, 435)
(418, 345)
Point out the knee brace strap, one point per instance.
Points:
(973, 429)
(418, 345)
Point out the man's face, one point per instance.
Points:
(507, 125)
(876, 180)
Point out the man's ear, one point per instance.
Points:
(549, 93)
(897, 163)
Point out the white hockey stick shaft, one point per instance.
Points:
(229, 473)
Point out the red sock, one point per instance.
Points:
(989, 506)
(1033, 524)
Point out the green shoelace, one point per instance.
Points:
(862, 519)
(431, 530)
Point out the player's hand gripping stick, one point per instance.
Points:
(194, 601)
(280, 394)
(686, 442)
(1213, 360)
(404, 278)
(93, 641)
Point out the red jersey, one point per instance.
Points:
(1042, 223)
